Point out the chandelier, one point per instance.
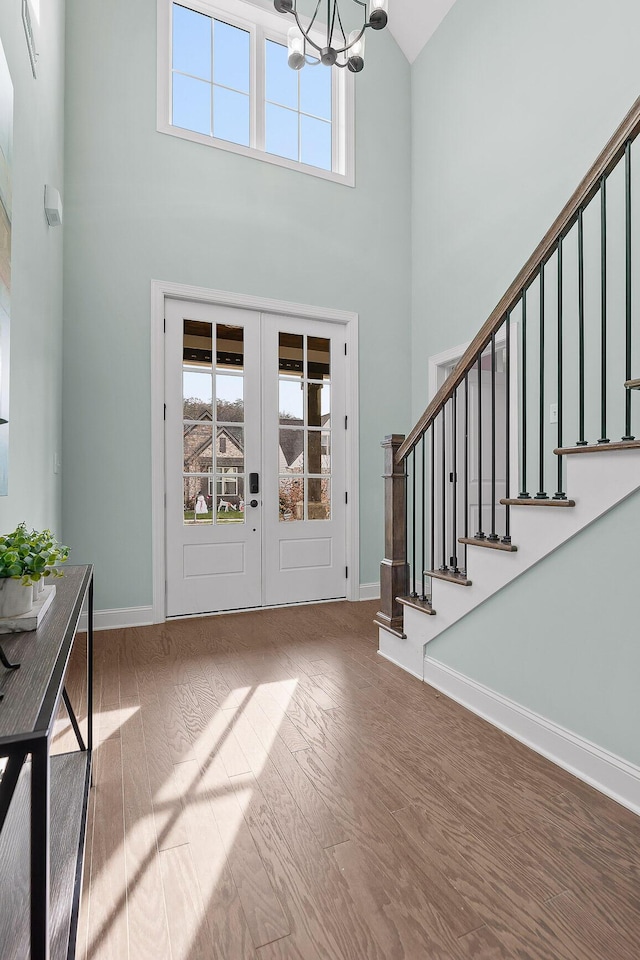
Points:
(338, 48)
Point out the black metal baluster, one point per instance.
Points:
(541, 495)
(581, 442)
(603, 311)
(559, 494)
(454, 478)
(433, 496)
(507, 417)
(443, 490)
(493, 536)
(628, 372)
(414, 592)
(466, 465)
(423, 595)
(524, 495)
(406, 515)
(479, 533)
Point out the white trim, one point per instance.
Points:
(116, 619)
(607, 772)
(159, 291)
(262, 22)
(453, 354)
(370, 591)
(397, 664)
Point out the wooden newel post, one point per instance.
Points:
(394, 569)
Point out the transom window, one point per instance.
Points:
(224, 80)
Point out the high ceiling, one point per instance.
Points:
(412, 22)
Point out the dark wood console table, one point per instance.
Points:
(43, 798)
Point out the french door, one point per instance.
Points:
(255, 459)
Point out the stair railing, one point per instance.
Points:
(552, 336)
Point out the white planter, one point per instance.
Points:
(15, 599)
(38, 587)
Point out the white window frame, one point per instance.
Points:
(262, 24)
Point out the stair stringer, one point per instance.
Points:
(597, 482)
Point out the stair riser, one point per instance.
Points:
(599, 483)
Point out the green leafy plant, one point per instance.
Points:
(30, 556)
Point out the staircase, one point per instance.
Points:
(530, 438)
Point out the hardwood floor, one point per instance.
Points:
(268, 787)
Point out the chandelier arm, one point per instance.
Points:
(344, 36)
(333, 21)
(355, 40)
(312, 43)
(305, 34)
(315, 14)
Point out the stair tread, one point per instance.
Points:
(458, 578)
(632, 384)
(423, 605)
(600, 447)
(490, 544)
(532, 502)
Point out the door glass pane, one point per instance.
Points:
(197, 344)
(291, 401)
(197, 387)
(229, 347)
(318, 404)
(290, 354)
(197, 500)
(198, 441)
(291, 506)
(229, 496)
(319, 452)
(230, 449)
(229, 398)
(318, 358)
(291, 453)
(319, 499)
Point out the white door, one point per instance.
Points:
(212, 444)
(483, 490)
(304, 509)
(255, 459)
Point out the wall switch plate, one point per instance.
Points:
(56, 463)
(553, 413)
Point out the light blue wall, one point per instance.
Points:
(511, 103)
(143, 205)
(563, 638)
(36, 294)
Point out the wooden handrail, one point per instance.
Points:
(587, 189)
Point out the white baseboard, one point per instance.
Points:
(613, 776)
(124, 617)
(370, 591)
(396, 663)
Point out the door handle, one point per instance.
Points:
(253, 503)
(254, 483)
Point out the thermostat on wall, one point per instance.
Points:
(52, 206)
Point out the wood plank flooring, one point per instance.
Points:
(268, 788)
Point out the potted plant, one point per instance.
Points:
(26, 559)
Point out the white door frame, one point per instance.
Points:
(439, 361)
(160, 289)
